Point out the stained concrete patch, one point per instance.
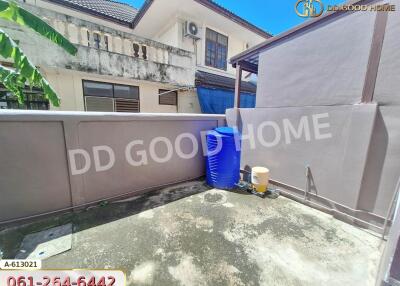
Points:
(47, 243)
(228, 205)
(186, 272)
(216, 197)
(147, 214)
(204, 224)
(143, 274)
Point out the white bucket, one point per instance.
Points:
(260, 178)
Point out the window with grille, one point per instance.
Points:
(110, 97)
(167, 97)
(216, 50)
(34, 99)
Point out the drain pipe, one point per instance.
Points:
(184, 88)
(307, 183)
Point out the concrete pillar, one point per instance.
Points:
(238, 84)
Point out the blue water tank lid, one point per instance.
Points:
(228, 131)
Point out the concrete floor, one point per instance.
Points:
(191, 235)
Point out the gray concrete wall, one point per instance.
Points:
(335, 151)
(35, 173)
(387, 95)
(387, 89)
(323, 66)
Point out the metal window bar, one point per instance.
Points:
(34, 100)
(107, 104)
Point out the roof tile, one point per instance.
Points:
(111, 9)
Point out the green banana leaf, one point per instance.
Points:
(25, 71)
(12, 12)
(13, 82)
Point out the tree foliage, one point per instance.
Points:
(25, 71)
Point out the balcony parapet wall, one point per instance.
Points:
(124, 54)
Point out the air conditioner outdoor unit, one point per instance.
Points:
(191, 29)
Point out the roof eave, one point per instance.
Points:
(216, 8)
(203, 80)
(233, 17)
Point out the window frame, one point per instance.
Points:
(101, 82)
(138, 89)
(162, 90)
(113, 84)
(217, 45)
(113, 92)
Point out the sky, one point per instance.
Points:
(274, 16)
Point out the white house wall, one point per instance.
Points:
(171, 17)
(170, 35)
(68, 85)
(175, 69)
(173, 35)
(172, 58)
(165, 67)
(188, 102)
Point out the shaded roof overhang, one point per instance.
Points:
(248, 60)
(211, 80)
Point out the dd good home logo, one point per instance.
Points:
(309, 8)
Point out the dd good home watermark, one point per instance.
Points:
(138, 153)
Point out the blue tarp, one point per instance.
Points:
(216, 101)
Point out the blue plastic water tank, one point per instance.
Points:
(223, 167)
